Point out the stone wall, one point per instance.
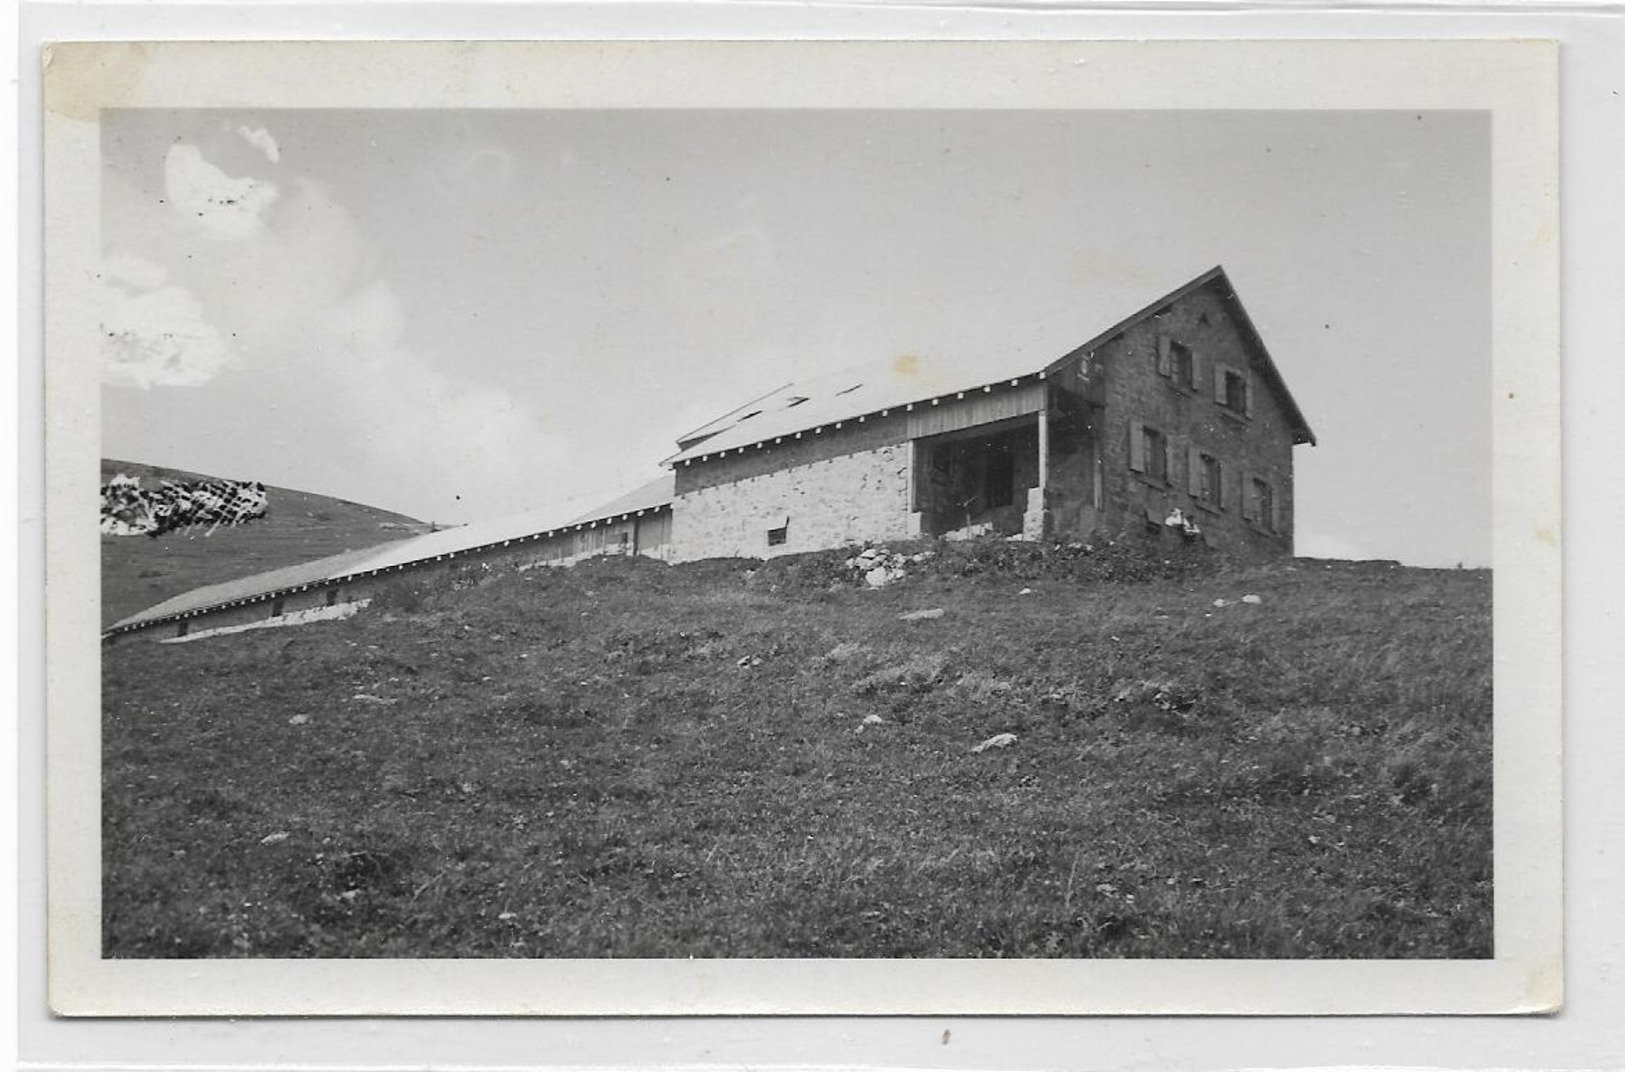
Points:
(858, 496)
(1247, 446)
(1070, 487)
(793, 451)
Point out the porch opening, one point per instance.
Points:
(979, 480)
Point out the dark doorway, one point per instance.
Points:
(968, 482)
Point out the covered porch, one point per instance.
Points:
(1030, 474)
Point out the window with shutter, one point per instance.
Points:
(1207, 477)
(1164, 354)
(1264, 504)
(1236, 391)
(1156, 453)
(1182, 365)
(1136, 447)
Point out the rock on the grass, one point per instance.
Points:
(924, 614)
(1003, 739)
(882, 574)
(874, 719)
(1252, 599)
(298, 719)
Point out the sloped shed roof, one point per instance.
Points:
(439, 545)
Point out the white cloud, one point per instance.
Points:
(227, 207)
(324, 373)
(261, 139)
(154, 333)
(431, 441)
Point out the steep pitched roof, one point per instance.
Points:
(821, 401)
(440, 545)
(1301, 433)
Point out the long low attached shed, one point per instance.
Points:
(636, 523)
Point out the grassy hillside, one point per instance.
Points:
(139, 572)
(630, 759)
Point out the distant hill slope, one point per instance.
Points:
(138, 572)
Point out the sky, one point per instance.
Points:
(464, 314)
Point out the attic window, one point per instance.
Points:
(853, 388)
(1233, 390)
(753, 414)
(795, 401)
(1182, 365)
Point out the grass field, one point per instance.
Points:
(138, 571)
(636, 760)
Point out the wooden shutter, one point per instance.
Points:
(1136, 446)
(1247, 499)
(1168, 459)
(1219, 370)
(1247, 394)
(1196, 370)
(1164, 352)
(1193, 471)
(1218, 482)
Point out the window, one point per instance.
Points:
(1176, 362)
(1148, 452)
(1233, 390)
(1206, 478)
(333, 596)
(1156, 455)
(182, 628)
(1182, 365)
(277, 607)
(1263, 504)
(779, 535)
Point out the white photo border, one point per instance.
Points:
(1515, 80)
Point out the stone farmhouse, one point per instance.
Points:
(1175, 419)
(1173, 422)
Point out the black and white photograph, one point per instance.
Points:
(1016, 535)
